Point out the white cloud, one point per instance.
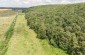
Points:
(28, 3)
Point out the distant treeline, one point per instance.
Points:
(62, 25)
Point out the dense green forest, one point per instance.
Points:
(62, 25)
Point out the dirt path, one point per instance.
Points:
(24, 42)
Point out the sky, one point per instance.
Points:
(30, 3)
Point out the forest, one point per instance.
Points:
(62, 25)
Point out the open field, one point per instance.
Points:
(5, 24)
(4, 9)
(6, 12)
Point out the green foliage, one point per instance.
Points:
(62, 25)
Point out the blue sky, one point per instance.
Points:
(29, 3)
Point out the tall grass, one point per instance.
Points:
(8, 34)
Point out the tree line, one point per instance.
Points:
(62, 25)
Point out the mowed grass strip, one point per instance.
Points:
(24, 42)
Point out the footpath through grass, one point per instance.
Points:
(24, 42)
